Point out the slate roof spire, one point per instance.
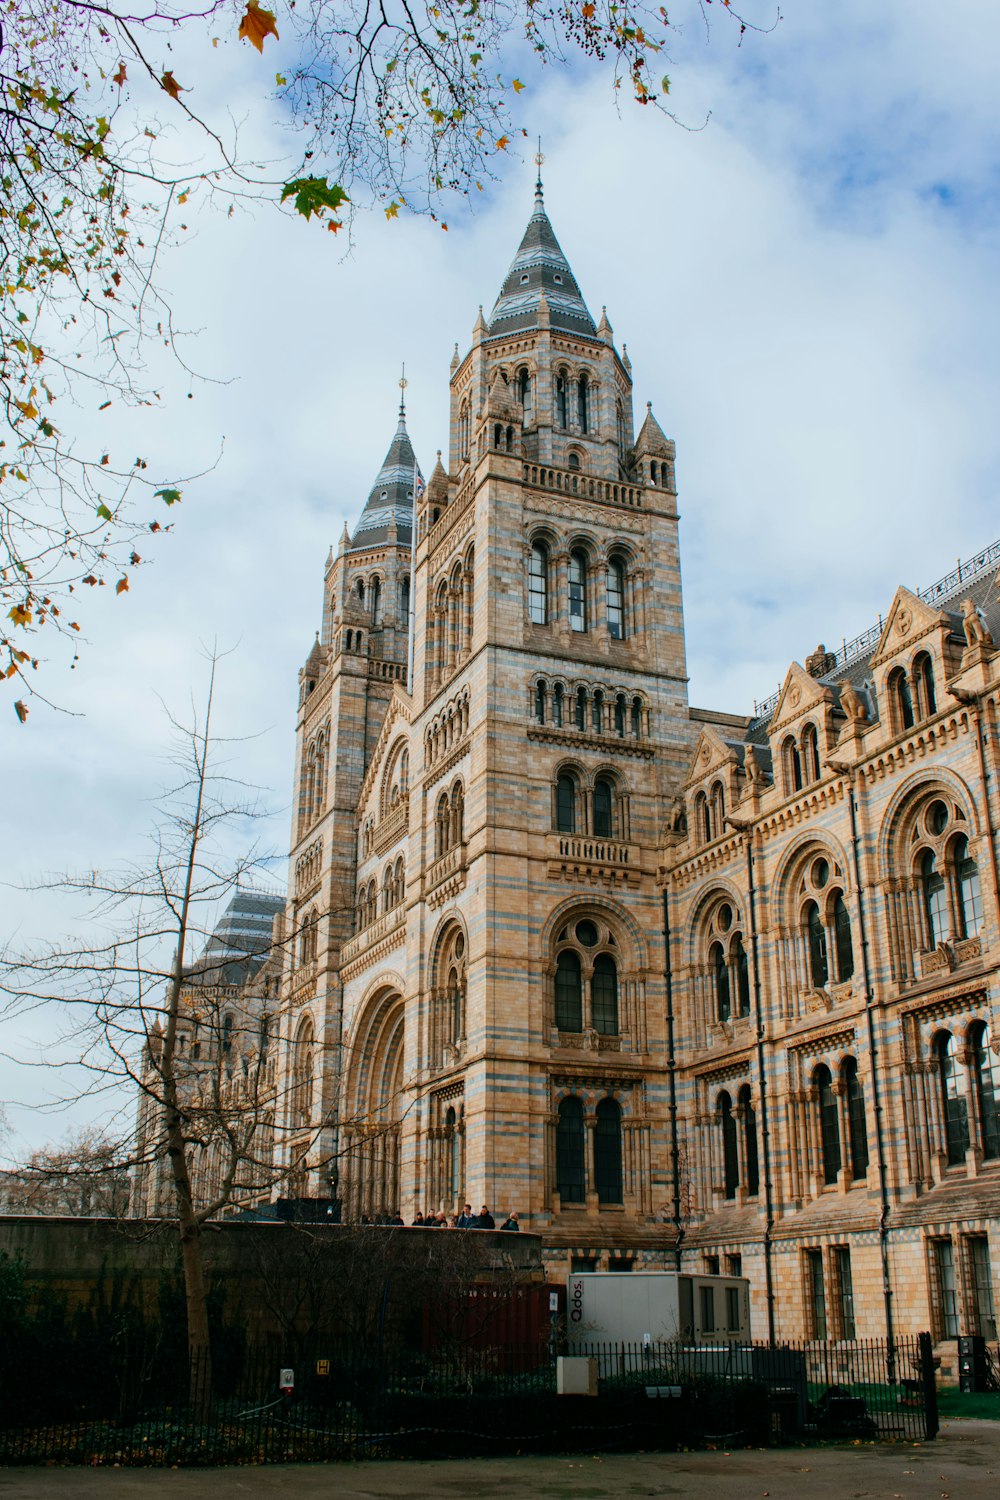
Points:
(390, 499)
(538, 268)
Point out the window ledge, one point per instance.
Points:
(947, 956)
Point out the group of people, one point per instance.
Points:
(465, 1220)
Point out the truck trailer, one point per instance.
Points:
(656, 1307)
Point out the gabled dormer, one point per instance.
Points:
(919, 650)
(712, 788)
(803, 729)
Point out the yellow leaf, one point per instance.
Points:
(27, 409)
(256, 25)
(503, 143)
(280, 80)
(392, 212)
(169, 85)
(183, 198)
(121, 587)
(517, 85)
(20, 614)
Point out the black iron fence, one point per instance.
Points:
(265, 1404)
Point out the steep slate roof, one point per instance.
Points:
(242, 940)
(391, 496)
(540, 266)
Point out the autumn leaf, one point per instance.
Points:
(313, 194)
(169, 85)
(20, 614)
(256, 25)
(121, 587)
(503, 143)
(21, 709)
(169, 497)
(392, 212)
(517, 85)
(588, 10)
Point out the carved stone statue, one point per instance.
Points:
(976, 632)
(753, 768)
(853, 704)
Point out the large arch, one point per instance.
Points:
(373, 1102)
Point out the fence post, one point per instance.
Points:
(929, 1385)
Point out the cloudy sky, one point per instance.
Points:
(807, 289)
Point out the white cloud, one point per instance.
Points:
(806, 288)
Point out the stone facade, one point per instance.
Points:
(681, 987)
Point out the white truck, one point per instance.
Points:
(654, 1307)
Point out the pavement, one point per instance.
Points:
(963, 1464)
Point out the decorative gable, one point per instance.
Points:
(711, 754)
(800, 694)
(909, 620)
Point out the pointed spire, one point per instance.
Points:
(391, 497)
(455, 359)
(540, 267)
(604, 330)
(652, 439)
(539, 195)
(479, 327)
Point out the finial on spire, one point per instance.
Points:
(403, 383)
(539, 159)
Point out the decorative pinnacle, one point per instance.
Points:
(539, 159)
(403, 383)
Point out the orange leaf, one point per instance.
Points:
(256, 25)
(121, 587)
(588, 10)
(21, 709)
(503, 143)
(169, 85)
(120, 76)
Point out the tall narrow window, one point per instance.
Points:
(604, 995)
(818, 966)
(583, 403)
(637, 717)
(616, 599)
(944, 1270)
(557, 704)
(540, 701)
(538, 584)
(620, 427)
(742, 967)
(953, 1105)
(793, 766)
(581, 708)
(597, 712)
(524, 389)
(857, 1126)
(720, 971)
(566, 804)
(970, 898)
(404, 603)
(569, 992)
(923, 676)
(451, 1181)
(750, 1156)
(817, 1293)
(845, 1291)
(987, 1086)
(620, 710)
(829, 1124)
(562, 399)
(935, 899)
(980, 1286)
(571, 1182)
(608, 1152)
(376, 601)
(902, 698)
(730, 1150)
(603, 808)
(810, 753)
(578, 589)
(842, 938)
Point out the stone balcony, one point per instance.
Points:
(574, 856)
(446, 876)
(363, 943)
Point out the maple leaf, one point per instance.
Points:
(392, 212)
(256, 25)
(20, 614)
(503, 143)
(21, 709)
(588, 10)
(169, 497)
(120, 76)
(169, 85)
(313, 194)
(121, 587)
(517, 85)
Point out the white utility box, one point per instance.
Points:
(576, 1375)
(655, 1307)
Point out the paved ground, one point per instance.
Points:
(964, 1464)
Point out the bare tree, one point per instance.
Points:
(80, 1175)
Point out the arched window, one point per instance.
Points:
(442, 826)
(987, 1086)
(608, 1152)
(810, 753)
(455, 1006)
(562, 399)
(739, 957)
(720, 970)
(540, 701)
(388, 893)
(451, 1154)
(750, 1157)
(573, 462)
(524, 389)
(578, 589)
(654, 472)
(557, 704)
(597, 712)
(829, 1124)
(538, 584)
(620, 427)
(566, 793)
(376, 601)
(571, 1183)
(842, 938)
(616, 599)
(569, 992)
(457, 815)
(463, 429)
(718, 800)
(953, 1106)
(819, 968)
(901, 699)
(703, 818)
(302, 1075)
(857, 1127)
(793, 766)
(730, 1150)
(604, 995)
(935, 899)
(923, 680)
(603, 808)
(969, 904)
(637, 717)
(620, 711)
(581, 708)
(583, 403)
